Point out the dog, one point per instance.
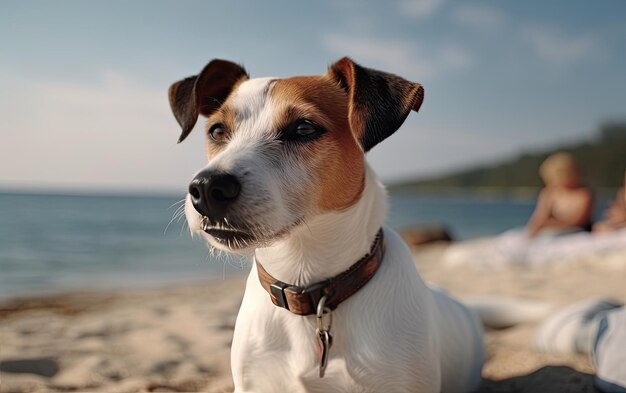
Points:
(333, 302)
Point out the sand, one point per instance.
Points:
(178, 338)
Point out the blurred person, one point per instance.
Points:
(615, 215)
(594, 327)
(564, 204)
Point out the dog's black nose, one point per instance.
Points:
(211, 193)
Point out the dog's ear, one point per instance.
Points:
(379, 101)
(204, 93)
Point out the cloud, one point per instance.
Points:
(406, 58)
(556, 47)
(386, 54)
(478, 16)
(419, 9)
(110, 133)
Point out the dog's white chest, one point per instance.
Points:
(290, 364)
(281, 354)
(275, 351)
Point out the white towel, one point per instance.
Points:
(514, 248)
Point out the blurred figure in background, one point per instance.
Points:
(564, 205)
(615, 215)
(594, 327)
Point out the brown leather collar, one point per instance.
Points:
(303, 300)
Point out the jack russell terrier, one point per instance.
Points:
(334, 302)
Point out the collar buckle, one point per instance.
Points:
(277, 291)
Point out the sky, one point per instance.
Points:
(83, 85)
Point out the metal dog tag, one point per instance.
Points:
(324, 341)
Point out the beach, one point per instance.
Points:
(140, 147)
(177, 338)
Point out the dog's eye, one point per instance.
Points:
(217, 132)
(301, 131)
(305, 128)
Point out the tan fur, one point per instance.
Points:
(336, 157)
(225, 116)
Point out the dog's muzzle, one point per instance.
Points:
(213, 195)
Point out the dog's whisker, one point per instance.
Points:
(176, 203)
(183, 226)
(180, 215)
(179, 211)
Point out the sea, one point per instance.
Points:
(52, 244)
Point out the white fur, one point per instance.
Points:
(394, 335)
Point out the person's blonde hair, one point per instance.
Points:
(559, 169)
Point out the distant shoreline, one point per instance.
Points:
(521, 193)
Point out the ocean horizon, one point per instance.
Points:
(54, 243)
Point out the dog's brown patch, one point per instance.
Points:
(225, 115)
(336, 158)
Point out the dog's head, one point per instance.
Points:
(281, 151)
